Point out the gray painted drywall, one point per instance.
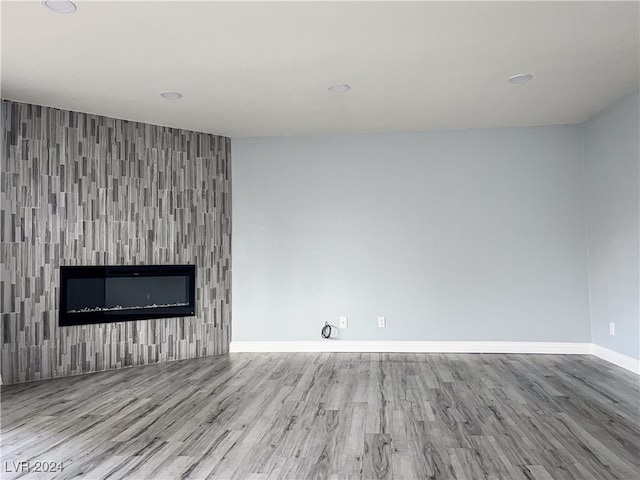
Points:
(452, 235)
(612, 159)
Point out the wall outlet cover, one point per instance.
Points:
(343, 322)
(382, 322)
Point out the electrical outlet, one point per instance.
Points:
(343, 322)
(382, 323)
(612, 328)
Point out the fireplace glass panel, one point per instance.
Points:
(146, 292)
(85, 294)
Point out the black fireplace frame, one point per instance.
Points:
(66, 318)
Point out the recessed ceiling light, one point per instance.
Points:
(171, 95)
(341, 87)
(60, 6)
(520, 78)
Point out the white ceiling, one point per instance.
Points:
(262, 69)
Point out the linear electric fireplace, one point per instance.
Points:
(122, 293)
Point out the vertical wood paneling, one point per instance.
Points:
(80, 189)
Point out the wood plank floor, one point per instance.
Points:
(339, 415)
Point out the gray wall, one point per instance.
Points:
(612, 159)
(452, 235)
(79, 189)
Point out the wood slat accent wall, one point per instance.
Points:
(81, 189)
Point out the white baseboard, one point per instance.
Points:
(413, 347)
(619, 359)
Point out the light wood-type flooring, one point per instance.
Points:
(332, 415)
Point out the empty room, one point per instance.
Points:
(320, 240)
